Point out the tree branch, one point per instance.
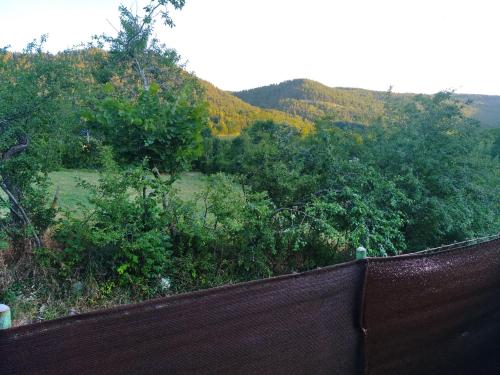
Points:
(141, 72)
(15, 149)
(12, 209)
(26, 219)
(56, 198)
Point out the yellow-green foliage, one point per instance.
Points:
(229, 114)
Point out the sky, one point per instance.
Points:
(412, 45)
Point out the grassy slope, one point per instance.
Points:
(71, 195)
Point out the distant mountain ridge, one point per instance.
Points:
(312, 100)
(300, 102)
(485, 108)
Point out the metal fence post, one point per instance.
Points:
(5, 319)
(360, 253)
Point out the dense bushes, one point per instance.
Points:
(123, 236)
(441, 160)
(139, 233)
(421, 177)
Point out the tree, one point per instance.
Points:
(31, 86)
(151, 108)
(327, 201)
(434, 153)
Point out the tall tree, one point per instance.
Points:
(151, 108)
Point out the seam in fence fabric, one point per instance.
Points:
(364, 329)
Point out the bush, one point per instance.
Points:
(123, 236)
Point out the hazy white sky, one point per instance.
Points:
(414, 45)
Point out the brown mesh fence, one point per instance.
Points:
(435, 313)
(429, 313)
(298, 324)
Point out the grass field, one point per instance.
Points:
(71, 194)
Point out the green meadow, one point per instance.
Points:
(72, 195)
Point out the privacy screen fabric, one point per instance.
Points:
(300, 324)
(435, 313)
(430, 313)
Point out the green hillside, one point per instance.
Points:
(312, 100)
(485, 108)
(229, 114)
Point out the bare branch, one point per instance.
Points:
(26, 219)
(108, 21)
(12, 209)
(15, 150)
(56, 198)
(143, 75)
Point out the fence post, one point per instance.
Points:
(5, 319)
(360, 253)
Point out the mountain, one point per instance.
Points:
(485, 108)
(229, 114)
(312, 100)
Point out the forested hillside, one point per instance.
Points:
(312, 100)
(485, 108)
(229, 115)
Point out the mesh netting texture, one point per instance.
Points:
(298, 324)
(429, 313)
(436, 313)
